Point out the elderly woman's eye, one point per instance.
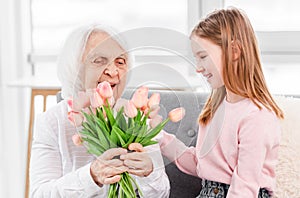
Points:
(100, 61)
(120, 61)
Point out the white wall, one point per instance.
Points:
(12, 123)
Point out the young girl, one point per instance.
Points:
(239, 129)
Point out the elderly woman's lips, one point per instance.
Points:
(111, 84)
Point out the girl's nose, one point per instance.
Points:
(200, 69)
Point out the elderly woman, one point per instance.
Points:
(59, 168)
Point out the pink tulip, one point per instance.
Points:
(111, 101)
(154, 100)
(77, 139)
(130, 109)
(105, 90)
(81, 101)
(96, 100)
(154, 111)
(155, 121)
(75, 118)
(121, 102)
(70, 102)
(145, 109)
(176, 114)
(140, 97)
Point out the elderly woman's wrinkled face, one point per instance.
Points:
(105, 60)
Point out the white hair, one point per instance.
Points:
(70, 68)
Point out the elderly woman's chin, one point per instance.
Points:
(118, 91)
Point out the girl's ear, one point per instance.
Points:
(236, 50)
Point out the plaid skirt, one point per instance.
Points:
(212, 189)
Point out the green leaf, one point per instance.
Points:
(114, 138)
(102, 137)
(88, 134)
(88, 116)
(126, 186)
(99, 114)
(93, 147)
(130, 122)
(112, 193)
(122, 123)
(110, 116)
(89, 128)
(153, 132)
(139, 190)
(116, 132)
(120, 112)
(102, 119)
(140, 133)
(93, 151)
(102, 126)
(134, 134)
(145, 119)
(138, 116)
(148, 143)
(120, 120)
(120, 132)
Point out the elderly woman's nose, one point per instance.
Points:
(111, 69)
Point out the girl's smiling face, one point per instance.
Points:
(209, 60)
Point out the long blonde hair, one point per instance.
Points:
(223, 27)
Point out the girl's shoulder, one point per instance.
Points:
(247, 110)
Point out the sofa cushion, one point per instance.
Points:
(288, 166)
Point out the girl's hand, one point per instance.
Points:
(138, 163)
(106, 169)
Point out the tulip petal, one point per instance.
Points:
(176, 114)
(77, 139)
(155, 121)
(140, 97)
(154, 111)
(130, 110)
(105, 90)
(154, 100)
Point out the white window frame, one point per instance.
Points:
(282, 50)
(193, 16)
(275, 46)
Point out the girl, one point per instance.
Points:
(239, 129)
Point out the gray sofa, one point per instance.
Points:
(182, 185)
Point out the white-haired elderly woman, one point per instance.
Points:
(59, 168)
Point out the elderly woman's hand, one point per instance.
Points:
(106, 169)
(139, 163)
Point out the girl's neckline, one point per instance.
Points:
(235, 102)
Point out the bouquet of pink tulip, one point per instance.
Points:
(104, 127)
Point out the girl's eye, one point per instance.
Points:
(120, 62)
(203, 57)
